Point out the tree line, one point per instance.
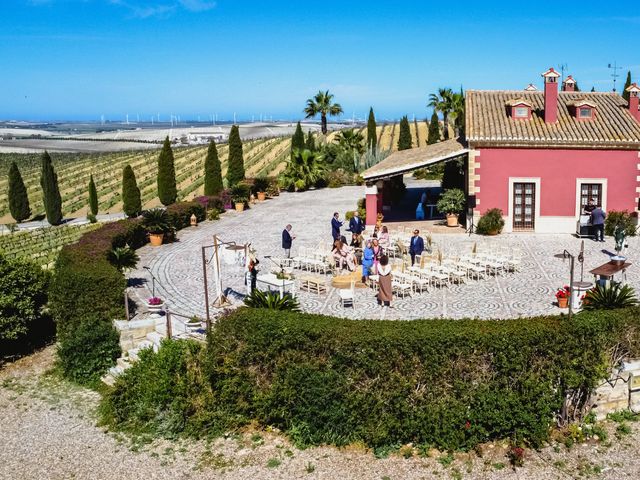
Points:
(132, 203)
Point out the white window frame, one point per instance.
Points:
(534, 180)
(585, 109)
(580, 181)
(521, 112)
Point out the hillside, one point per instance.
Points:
(263, 157)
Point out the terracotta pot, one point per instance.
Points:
(262, 196)
(240, 207)
(452, 219)
(563, 302)
(156, 239)
(493, 233)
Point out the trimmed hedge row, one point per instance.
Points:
(449, 384)
(88, 289)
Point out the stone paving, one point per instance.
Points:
(178, 266)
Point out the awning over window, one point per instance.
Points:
(412, 159)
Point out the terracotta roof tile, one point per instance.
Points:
(488, 122)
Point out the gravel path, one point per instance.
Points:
(48, 431)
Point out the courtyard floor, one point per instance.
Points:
(178, 266)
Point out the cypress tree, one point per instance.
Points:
(627, 84)
(132, 205)
(297, 140)
(404, 139)
(593, 89)
(18, 198)
(311, 142)
(167, 190)
(235, 172)
(212, 171)
(93, 196)
(50, 191)
(372, 135)
(434, 129)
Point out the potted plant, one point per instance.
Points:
(194, 323)
(155, 305)
(157, 224)
(562, 295)
(451, 203)
(491, 223)
(240, 196)
(260, 186)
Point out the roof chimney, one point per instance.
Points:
(634, 94)
(550, 95)
(569, 85)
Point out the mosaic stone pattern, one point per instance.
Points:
(178, 266)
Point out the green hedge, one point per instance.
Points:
(87, 288)
(450, 384)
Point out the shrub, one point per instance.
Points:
(235, 169)
(18, 198)
(180, 214)
(92, 349)
(240, 193)
(158, 390)
(23, 296)
(260, 184)
(451, 202)
(131, 202)
(211, 203)
(123, 258)
(491, 222)
(156, 221)
(271, 301)
(338, 178)
(450, 384)
(610, 297)
(624, 219)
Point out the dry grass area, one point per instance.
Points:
(49, 432)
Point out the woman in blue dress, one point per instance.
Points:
(367, 260)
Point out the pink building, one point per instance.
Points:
(538, 155)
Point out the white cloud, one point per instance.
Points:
(197, 5)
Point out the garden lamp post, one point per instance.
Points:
(563, 255)
(153, 282)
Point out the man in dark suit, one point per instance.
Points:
(335, 226)
(416, 247)
(287, 239)
(355, 224)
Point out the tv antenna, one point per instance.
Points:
(562, 67)
(615, 73)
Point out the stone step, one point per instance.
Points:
(115, 371)
(108, 379)
(123, 363)
(155, 338)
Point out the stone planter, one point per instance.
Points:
(156, 239)
(239, 206)
(156, 310)
(262, 196)
(452, 219)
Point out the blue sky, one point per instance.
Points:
(79, 59)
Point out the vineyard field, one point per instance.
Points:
(263, 157)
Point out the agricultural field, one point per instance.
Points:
(263, 157)
(43, 244)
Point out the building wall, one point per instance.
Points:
(557, 174)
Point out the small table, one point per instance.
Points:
(271, 282)
(606, 272)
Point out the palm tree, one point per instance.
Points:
(303, 171)
(442, 102)
(457, 112)
(351, 140)
(322, 104)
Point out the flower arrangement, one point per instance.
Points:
(516, 455)
(155, 301)
(563, 292)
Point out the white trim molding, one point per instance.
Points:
(601, 181)
(508, 221)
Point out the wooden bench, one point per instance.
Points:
(313, 283)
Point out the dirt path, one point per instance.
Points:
(48, 431)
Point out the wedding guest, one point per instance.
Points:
(367, 260)
(385, 292)
(335, 226)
